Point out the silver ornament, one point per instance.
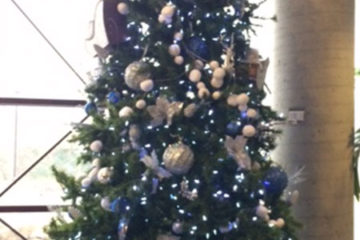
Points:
(177, 228)
(135, 73)
(178, 158)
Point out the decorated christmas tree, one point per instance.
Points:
(179, 139)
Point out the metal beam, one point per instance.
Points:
(41, 102)
(13, 230)
(23, 209)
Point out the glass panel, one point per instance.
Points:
(33, 70)
(24, 223)
(38, 129)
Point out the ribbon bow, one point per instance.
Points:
(152, 162)
(164, 110)
(236, 149)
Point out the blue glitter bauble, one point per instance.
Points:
(232, 128)
(275, 181)
(90, 107)
(113, 97)
(199, 47)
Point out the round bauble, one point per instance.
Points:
(199, 47)
(86, 182)
(179, 60)
(195, 75)
(231, 100)
(262, 212)
(135, 73)
(216, 95)
(251, 113)
(249, 131)
(190, 110)
(123, 8)
(214, 65)
(164, 19)
(275, 181)
(140, 104)
(147, 85)
(178, 36)
(90, 108)
(203, 93)
(242, 99)
(178, 158)
(232, 128)
(168, 10)
(105, 203)
(174, 50)
(96, 146)
(219, 73)
(242, 107)
(217, 82)
(280, 223)
(93, 174)
(104, 175)
(177, 228)
(198, 64)
(74, 213)
(120, 205)
(113, 97)
(126, 112)
(200, 85)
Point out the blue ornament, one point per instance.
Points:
(90, 107)
(113, 97)
(199, 47)
(233, 128)
(142, 153)
(120, 205)
(275, 181)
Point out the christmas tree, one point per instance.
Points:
(179, 139)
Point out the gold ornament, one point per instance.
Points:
(135, 73)
(178, 158)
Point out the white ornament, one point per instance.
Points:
(104, 175)
(263, 213)
(249, 131)
(177, 228)
(251, 113)
(231, 100)
(216, 95)
(190, 110)
(198, 64)
(123, 8)
(203, 93)
(178, 158)
(168, 10)
(105, 203)
(178, 36)
(92, 174)
(140, 104)
(96, 162)
(96, 146)
(86, 182)
(280, 223)
(125, 112)
(214, 64)
(242, 99)
(217, 82)
(147, 85)
(179, 60)
(219, 73)
(200, 85)
(174, 50)
(195, 75)
(242, 107)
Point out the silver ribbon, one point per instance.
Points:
(164, 110)
(152, 162)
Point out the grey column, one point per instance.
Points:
(313, 70)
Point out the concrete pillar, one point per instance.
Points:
(313, 70)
